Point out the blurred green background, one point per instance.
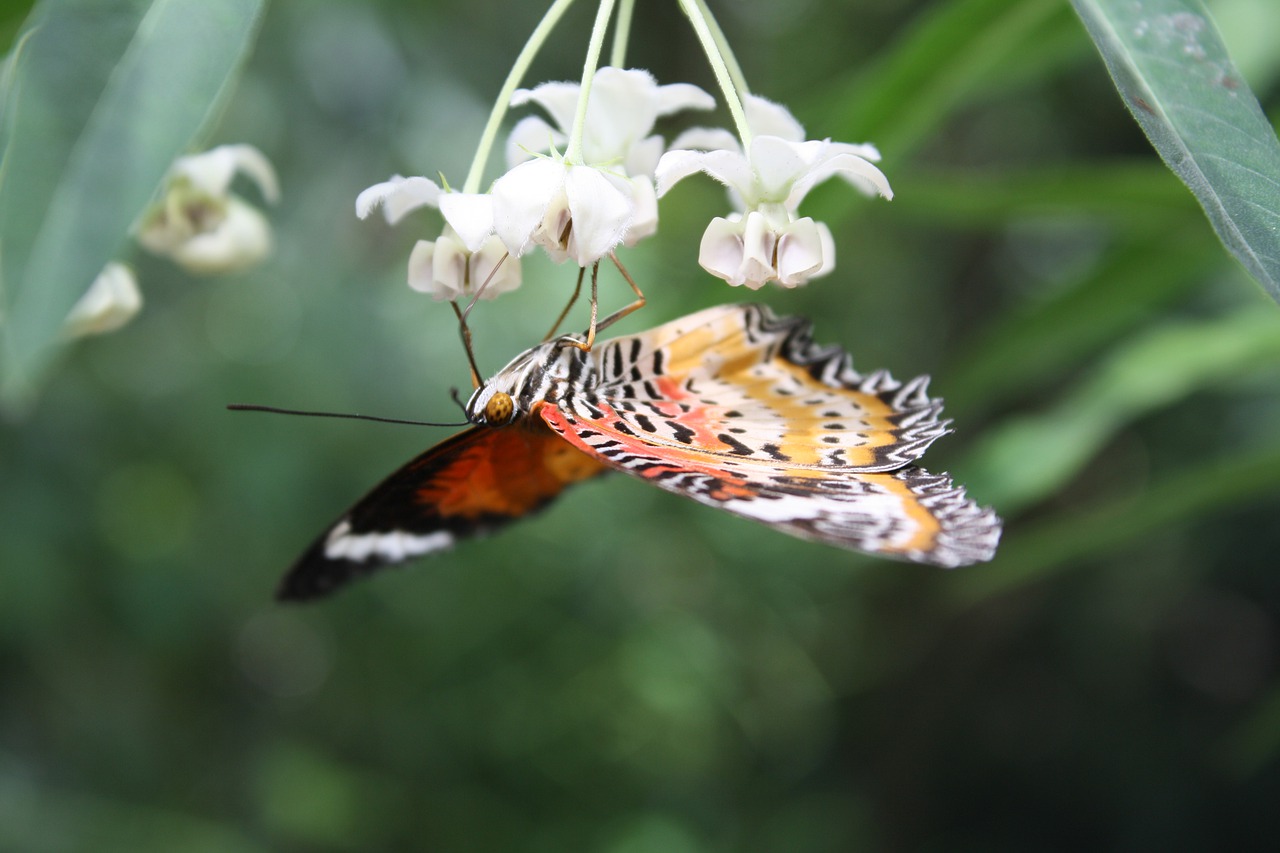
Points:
(630, 672)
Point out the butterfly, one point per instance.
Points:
(731, 406)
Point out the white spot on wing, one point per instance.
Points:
(391, 546)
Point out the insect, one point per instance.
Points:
(732, 407)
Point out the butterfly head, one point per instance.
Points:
(531, 377)
(490, 406)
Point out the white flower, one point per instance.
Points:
(624, 105)
(398, 196)
(767, 241)
(584, 210)
(751, 250)
(447, 269)
(110, 302)
(577, 212)
(465, 256)
(199, 223)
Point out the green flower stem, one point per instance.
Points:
(574, 152)
(731, 61)
(703, 25)
(499, 111)
(622, 32)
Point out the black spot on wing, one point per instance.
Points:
(739, 448)
(680, 432)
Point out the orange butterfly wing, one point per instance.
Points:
(469, 485)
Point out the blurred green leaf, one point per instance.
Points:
(100, 100)
(1028, 347)
(1256, 741)
(1033, 553)
(1138, 196)
(1029, 457)
(958, 51)
(1175, 76)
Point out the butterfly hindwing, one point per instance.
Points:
(909, 513)
(469, 485)
(739, 410)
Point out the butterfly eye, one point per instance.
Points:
(500, 409)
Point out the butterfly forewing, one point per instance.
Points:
(469, 485)
(736, 382)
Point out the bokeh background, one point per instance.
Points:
(629, 672)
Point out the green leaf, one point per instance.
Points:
(1029, 457)
(1028, 348)
(1134, 196)
(1175, 76)
(100, 100)
(957, 52)
(1036, 552)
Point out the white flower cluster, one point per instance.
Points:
(200, 223)
(197, 222)
(582, 209)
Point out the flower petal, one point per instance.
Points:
(778, 164)
(801, 252)
(532, 136)
(258, 168)
(766, 118)
(470, 215)
(674, 97)
(854, 169)
(521, 199)
(707, 139)
(642, 158)
(601, 208)
(728, 167)
(740, 251)
(422, 277)
(644, 221)
(111, 301)
(560, 100)
(758, 243)
(720, 252)
(494, 264)
(241, 240)
(398, 196)
(622, 109)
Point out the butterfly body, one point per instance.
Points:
(731, 406)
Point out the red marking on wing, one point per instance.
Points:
(731, 485)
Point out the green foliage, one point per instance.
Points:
(628, 672)
(98, 101)
(1176, 78)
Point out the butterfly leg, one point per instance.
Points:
(465, 331)
(624, 311)
(577, 289)
(600, 325)
(462, 315)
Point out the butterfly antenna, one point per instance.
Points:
(245, 407)
(462, 404)
(577, 289)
